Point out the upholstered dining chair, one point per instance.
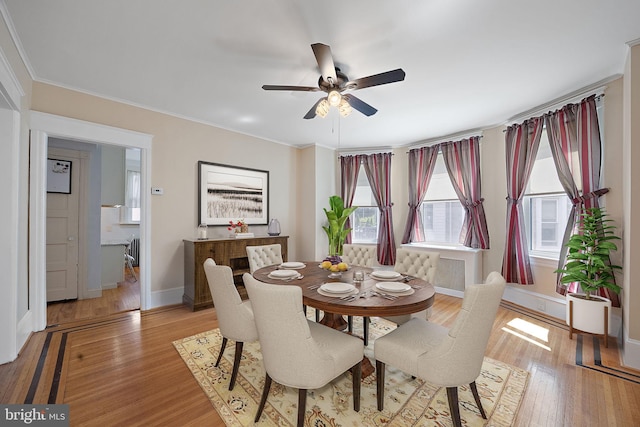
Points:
(360, 255)
(235, 317)
(264, 256)
(417, 263)
(444, 357)
(356, 255)
(297, 352)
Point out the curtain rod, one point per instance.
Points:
(522, 119)
(442, 141)
(553, 105)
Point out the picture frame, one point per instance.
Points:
(59, 176)
(232, 193)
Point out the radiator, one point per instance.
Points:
(458, 267)
(134, 251)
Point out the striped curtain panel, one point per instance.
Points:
(522, 142)
(378, 169)
(349, 169)
(574, 129)
(422, 162)
(462, 159)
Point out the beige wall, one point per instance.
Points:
(177, 147)
(631, 157)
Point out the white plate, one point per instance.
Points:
(293, 264)
(338, 287)
(283, 274)
(383, 274)
(393, 286)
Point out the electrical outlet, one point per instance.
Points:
(157, 191)
(541, 305)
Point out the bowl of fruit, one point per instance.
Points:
(335, 265)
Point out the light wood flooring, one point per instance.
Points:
(123, 370)
(124, 297)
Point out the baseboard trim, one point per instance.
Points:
(24, 328)
(631, 353)
(166, 297)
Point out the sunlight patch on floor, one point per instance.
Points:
(534, 334)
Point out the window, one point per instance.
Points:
(546, 205)
(364, 221)
(442, 212)
(130, 213)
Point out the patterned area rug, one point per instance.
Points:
(408, 402)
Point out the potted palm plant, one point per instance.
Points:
(588, 263)
(337, 218)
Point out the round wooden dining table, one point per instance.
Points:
(367, 306)
(370, 301)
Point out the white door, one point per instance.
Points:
(62, 225)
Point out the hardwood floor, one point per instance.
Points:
(123, 370)
(125, 297)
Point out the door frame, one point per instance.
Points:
(43, 126)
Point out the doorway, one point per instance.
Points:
(43, 127)
(103, 286)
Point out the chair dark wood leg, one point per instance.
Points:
(454, 408)
(317, 316)
(356, 375)
(236, 364)
(224, 344)
(263, 399)
(476, 396)
(302, 406)
(380, 384)
(304, 309)
(365, 328)
(350, 323)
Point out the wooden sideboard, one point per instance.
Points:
(231, 252)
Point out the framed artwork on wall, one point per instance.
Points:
(58, 176)
(231, 193)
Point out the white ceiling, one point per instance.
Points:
(469, 64)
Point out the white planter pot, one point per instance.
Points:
(588, 314)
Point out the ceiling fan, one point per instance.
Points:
(334, 83)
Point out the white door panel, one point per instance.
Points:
(62, 234)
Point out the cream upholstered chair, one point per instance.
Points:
(417, 263)
(296, 352)
(235, 317)
(360, 256)
(263, 256)
(444, 357)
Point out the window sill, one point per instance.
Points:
(542, 261)
(441, 246)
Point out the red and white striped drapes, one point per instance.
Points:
(378, 169)
(349, 169)
(574, 129)
(522, 142)
(422, 162)
(462, 159)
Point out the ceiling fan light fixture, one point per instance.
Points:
(334, 98)
(344, 107)
(323, 108)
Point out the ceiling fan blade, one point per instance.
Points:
(291, 88)
(325, 62)
(376, 79)
(312, 112)
(360, 105)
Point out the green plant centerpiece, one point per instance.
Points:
(588, 259)
(337, 218)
